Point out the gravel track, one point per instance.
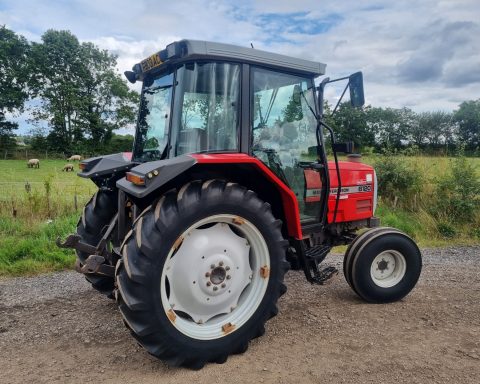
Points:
(55, 328)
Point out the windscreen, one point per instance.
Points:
(152, 130)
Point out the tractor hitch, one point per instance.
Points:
(74, 241)
(95, 264)
(101, 261)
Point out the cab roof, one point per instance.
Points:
(184, 50)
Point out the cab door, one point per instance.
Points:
(283, 133)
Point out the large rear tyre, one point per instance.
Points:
(201, 273)
(97, 215)
(383, 265)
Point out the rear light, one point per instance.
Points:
(135, 179)
(82, 166)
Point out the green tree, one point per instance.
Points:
(468, 119)
(120, 143)
(352, 125)
(390, 126)
(436, 128)
(14, 75)
(83, 99)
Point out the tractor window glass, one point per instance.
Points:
(284, 126)
(207, 108)
(152, 128)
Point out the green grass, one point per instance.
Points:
(27, 239)
(29, 248)
(31, 221)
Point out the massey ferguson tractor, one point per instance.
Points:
(227, 188)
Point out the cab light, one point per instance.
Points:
(135, 179)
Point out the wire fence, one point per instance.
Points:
(37, 199)
(26, 154)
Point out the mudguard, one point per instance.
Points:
(158, 173)
(109, 165)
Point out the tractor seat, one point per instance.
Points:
(192, 140)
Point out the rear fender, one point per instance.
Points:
(238, 167)
(106, 166)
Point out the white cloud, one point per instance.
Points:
(420, 54)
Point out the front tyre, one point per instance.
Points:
(202, 273)
(384, 266)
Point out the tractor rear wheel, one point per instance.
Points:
(96, 216)
(201, 273)
(382, 265)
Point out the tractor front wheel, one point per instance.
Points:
(382, 265)
(201, 273)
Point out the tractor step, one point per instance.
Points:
(313, 257)
(317, 254)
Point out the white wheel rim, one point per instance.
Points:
(217, 278)
(388, 268)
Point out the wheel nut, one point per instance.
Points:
(207, 274)
(227, 268)
(224, 285)
(220, 263)
(229, 277)
(208, 283)
(215, 288)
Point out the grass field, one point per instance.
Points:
(30, 221)
(38, 205)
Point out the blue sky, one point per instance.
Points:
(424, 55)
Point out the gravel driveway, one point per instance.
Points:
(55, 328)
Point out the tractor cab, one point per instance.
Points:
(210, 98)
(227, 188)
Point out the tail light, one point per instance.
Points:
(135, 179)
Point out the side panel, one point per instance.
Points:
(289, 200)
(356, 200)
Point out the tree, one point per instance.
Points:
(436, 127)
(468, 119)
(83, 98)
(352, 125)
(390, 126)
(14, 75)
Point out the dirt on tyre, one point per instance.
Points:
(201, 273)
(382, 265)
(97, 215)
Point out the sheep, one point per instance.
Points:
(75, 158)
(33, 163)
(68, 168)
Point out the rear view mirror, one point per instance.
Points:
(355, 82)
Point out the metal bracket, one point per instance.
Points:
(95, 264)
(74, 241)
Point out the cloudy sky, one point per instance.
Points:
(421, 54)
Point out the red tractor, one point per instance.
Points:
(227, 188)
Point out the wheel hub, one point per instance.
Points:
(218, 275)
(382, 266)
(388, 268)
(208, 272)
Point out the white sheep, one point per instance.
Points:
(75, 158)
(68, 168)
(33, 163)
